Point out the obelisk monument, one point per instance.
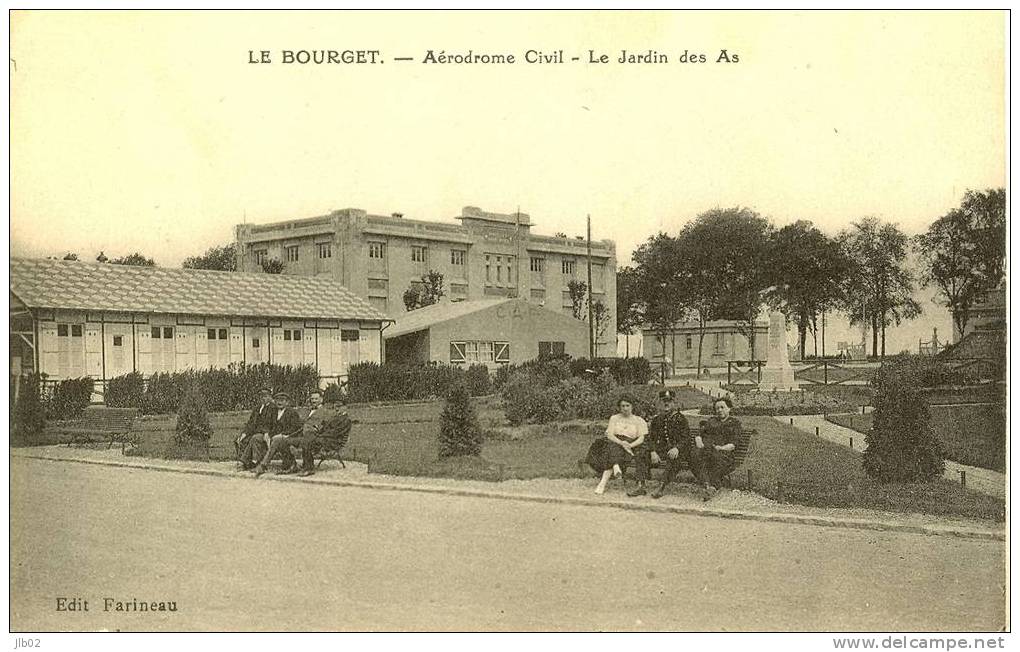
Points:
(777, 374)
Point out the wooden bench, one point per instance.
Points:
(105, 423)
(739, 454)
(332, 447)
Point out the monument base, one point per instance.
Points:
(778, 379)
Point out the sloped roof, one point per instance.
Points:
(423, 318)
(74, 285)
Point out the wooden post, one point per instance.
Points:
(851, 443)
(750, 479)
(591, 319)
(791, 421)
(963, 478)
(817, 431)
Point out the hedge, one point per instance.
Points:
(223, 390)
(70, 398)
(370, 381)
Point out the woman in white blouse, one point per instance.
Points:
(625, 432)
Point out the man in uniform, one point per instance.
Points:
(253, 441)
(286, 423)
(712, 455)
(668, 440)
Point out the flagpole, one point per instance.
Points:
(591, 312)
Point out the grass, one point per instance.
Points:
(796, 467)
(972, 434)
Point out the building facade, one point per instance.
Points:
(485, 256)
(71, 319)
(491, 332)
(723, 342)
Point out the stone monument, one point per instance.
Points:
(777, 374)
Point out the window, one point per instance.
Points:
(75, 330)
(499, 269)
(118, 340)
(376, 250)
(324, 249)
(568, 267)
(290, 335)
(486, 352)
(488, 268)
(156, 331)
(547, 349)
(292, 253)
(718, 343)
(211, 334)
(457, 256)
(223, 333)
(168, 332)
(690, 342)
(62, 330)
(261, 255)
(349, 335)
(419, 254)
(286, 335)
(537, 264)
(471, 352)
(255, 343)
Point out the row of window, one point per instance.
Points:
(167, 333)
(420, 254)
(292, 253)
(479, 351)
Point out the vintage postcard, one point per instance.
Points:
(509, 321)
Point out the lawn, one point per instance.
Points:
(972, 434)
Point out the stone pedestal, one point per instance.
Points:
(777, 373)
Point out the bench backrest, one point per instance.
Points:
(743, 442)
(104, 418)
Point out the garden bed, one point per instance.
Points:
(786, 403)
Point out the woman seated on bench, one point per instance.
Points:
(625, 434)
(712, 454)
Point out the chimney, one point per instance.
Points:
(397, 215)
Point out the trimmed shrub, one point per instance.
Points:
(192, 430)
(902, 444)
(525, 401)
(28, 417)
(70, 398)
(126, 391)
(478, 380)
(459, 432)
(625, 371)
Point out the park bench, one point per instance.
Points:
(332, 446)
(113, 424)
(743, 444)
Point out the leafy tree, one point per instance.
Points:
(192, 417)
(136, 259)
(28, 415)
(726, 255)
(102, 258)
(663, 287)
(459, 431)
(273, 266)
(879, 287)
(222, 258)
(578, 291)
(963, 252)
(628, 302)
(426, 292)
(807, 272)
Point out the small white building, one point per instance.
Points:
(71, 319)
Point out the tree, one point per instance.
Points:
(578, 291)
(459, 431)
(879, 289)
(28, 415)
(662, 287)
(426, 292)
(70, 256)
(628, 303)
(601, 316)
(136, 259)
(963, 252)
(807, 271)
(102, 258)
(273, 266)
(222, 258)
(726, 254)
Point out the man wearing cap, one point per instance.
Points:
(286, 423)
(668, 442)
(253, 441)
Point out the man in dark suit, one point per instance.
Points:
(324, 423)
(668, 442)
(286, 423)
(253, 442)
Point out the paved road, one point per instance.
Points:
(245, 555)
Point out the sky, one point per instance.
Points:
(151, 131)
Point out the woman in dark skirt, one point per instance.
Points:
(610, 454)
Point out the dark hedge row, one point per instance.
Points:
(370, 381)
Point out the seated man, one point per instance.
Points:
(668, 439)
(712, 455)
(286, 423)
(324, 422)
(253, 442)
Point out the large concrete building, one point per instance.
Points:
(71, 319)
(485, 256)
